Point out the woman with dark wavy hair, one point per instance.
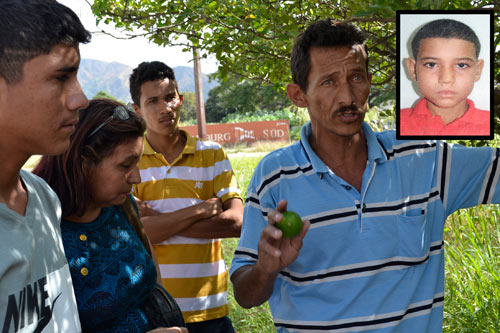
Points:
(113, 273)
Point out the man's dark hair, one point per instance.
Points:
(149, 71)
(445, 28)
(30, 28)
(324, 33)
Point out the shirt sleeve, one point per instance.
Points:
(468, 176)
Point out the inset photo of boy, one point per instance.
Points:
(445, 81)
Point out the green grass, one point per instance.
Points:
(472, 250)
(257, 319)
(472, 290)
(255, 147)
(244, 167)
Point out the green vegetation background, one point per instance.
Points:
(252, 42)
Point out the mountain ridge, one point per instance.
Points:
(113, 78)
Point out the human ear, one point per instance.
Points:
(88, 164)
(296, 95)
(137, 109)
(181, 98)
(479, 70)
(85, 165)
(410, 66)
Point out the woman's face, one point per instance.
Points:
(111, 180)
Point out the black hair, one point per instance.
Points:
(65, 173)
(323, 33)
(149, 71)
(29, 28)
(445, 28)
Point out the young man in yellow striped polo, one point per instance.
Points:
(189, 199)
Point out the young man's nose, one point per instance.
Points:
(76, 99)
(446, 75)
(167, 106)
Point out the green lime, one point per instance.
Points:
(291, 225)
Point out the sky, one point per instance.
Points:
(130, 52)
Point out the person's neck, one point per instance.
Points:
(12, 191)
(448, 115)
(88, 216)
(346, 156)
(170, 146)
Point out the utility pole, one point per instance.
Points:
(198, 87)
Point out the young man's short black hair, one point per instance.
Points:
(445, 28)
(30, 28)
(149, 71)
(323, 33)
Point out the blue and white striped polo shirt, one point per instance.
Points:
(372, 260)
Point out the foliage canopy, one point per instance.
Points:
(188, 110)
(103, 94)
(253, 38)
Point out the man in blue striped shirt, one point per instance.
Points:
(370, 255)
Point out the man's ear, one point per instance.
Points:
(479, 70)
(410, 66)
(296, 95)
(137, 109)
(181, 98)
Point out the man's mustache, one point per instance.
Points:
(345, 108)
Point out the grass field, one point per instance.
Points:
(258, 319)
(472, 249)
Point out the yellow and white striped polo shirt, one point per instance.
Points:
(193, 269)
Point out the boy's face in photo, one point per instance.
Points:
(445, 70)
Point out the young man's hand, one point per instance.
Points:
(211, 207)
(144, 208)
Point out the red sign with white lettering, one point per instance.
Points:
(272, 130)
